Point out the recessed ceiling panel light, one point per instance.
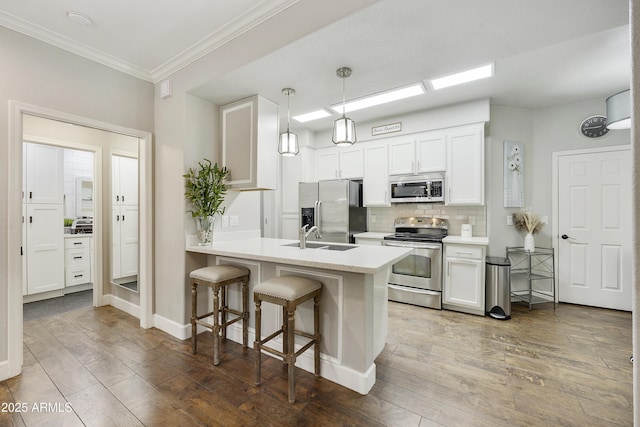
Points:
(314, 115)
(463, 77)
(380, 98)
(79, 18)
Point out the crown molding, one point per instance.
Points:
(245, 22)
(40, 33)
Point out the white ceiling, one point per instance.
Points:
(546, 52)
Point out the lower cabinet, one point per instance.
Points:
(464, 269)
(77, 261)
(44, 237)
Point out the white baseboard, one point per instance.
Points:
(175, 329)
(121, 304)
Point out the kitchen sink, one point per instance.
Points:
(325, 246)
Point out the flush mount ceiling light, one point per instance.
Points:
(79, 18)
(380, 98)
(314, 115)
(463, 77)
(619, 110)
(288, 145)
(344, 129)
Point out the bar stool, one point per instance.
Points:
(288, 292)
(219, 277)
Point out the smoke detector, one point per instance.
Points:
(79, 18)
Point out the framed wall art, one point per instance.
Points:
(513, 175)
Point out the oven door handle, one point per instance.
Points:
(435, 247)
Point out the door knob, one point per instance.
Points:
(565, 237)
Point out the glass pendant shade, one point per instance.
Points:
(344, 129)
(288, 145)
(344, 132)
(619, 110)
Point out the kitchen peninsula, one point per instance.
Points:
(353, 305)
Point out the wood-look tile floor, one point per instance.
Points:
(545, 367)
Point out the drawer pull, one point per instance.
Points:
(464, 253)
(77, 243)
(77, 257)
(78, 275)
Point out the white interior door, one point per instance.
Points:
(594, 226)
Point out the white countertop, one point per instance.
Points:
(371, 235)
(360, 259)
(483, 241)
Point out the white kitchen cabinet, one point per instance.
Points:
(77, 260)
(44, 247)
(418, 153)
(402, 154)
(463, 288)
(250, 143)
(431, 151)
(43, 173)
(327, 163)
(465, 165)
(340, 163)
(124, 221)
(375, 185)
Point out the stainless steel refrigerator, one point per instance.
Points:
(335, 206)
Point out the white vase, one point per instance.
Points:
(529, 243)
(204, 227)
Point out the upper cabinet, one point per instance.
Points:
(465, 165)
(43, 174)
(375, 185)
(420, 153)
(250, 143)
(340, 163)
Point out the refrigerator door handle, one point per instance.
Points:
(319, 219)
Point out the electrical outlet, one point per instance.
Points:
(509, 219)
(233, 220)
(545, 219)
(225, 221)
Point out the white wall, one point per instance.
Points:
(541, 132)
(36, 73)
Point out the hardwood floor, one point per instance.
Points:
(544, 367)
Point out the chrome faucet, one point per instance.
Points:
(304, 234)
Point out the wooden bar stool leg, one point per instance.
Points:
(223, 312)
(285, 332)
(256, 344)
(291, 355)
(316, 333)
(245, 312)
(194, 307)
(216, 326)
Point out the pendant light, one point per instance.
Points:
(619, 110)
(288, 145)
(344, 129)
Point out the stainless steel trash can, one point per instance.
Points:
(498, 288)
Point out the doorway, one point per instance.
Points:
(592, 237)
(15, 274)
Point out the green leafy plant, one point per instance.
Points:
(205, 188)
(68, 222)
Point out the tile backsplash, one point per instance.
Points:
(381, 219)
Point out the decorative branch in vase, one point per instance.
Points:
(205, 188)
(529, 222)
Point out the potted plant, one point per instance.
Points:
(529, 222)
(205, 189)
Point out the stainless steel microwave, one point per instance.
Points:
(427, 188)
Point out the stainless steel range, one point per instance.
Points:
(417, 279)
